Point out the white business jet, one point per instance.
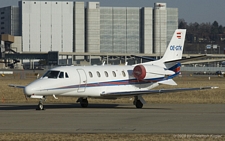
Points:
(114, 81)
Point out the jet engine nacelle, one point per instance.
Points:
(141, 72)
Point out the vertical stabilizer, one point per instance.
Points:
(175, 48)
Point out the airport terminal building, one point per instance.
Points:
(70, 26)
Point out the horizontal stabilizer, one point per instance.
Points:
(143, 57)
(168, 82)
(189, 59)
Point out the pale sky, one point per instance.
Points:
(189, 10)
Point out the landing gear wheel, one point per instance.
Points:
(40, 106)
(138, 104)
(84, 103)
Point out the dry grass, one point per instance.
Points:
(107, 137)
(15, 95)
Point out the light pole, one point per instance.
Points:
(219, 49)
(160, 32)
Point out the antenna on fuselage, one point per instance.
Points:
(103, 63)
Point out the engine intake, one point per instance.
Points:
(141, 72)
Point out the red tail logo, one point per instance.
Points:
(179, 35)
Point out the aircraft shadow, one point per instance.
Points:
(75, 106)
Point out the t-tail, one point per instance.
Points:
(174, 50)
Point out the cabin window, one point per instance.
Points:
(67, 76)
(90, 74)
(124, 74)
(61, 75)
(114, 73)
(98, 74)
(51, 74)
(106, 74)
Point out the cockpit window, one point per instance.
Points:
(61, 75)
(67, 75)
(51, 74)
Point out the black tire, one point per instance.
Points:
(84, 103)
(139, 104)
(40, 106)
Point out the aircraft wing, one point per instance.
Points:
(160, 91)
(16, 86)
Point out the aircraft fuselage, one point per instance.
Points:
(90, 81)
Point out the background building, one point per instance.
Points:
(42, 26)
(47, 26)
(79, 29)
(93, 27)
(120, 30)
(165, 22)
(9, 20)
(146, 36)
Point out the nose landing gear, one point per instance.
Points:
(40, 105)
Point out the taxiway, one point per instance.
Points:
(114, 118)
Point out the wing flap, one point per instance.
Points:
(146, 92)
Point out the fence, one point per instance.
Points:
(203, 69)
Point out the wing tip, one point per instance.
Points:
(214, 87)
(15, 86)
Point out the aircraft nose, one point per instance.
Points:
(28, 90)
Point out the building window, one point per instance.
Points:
(2, 22)
(2, 17)
(3, 33)
(2, 28)
(2, 12)
(97, 5)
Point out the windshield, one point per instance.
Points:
(51, 74)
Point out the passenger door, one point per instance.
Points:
(83, 80)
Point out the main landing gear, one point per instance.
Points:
(138, 101)
(40, 105)
(83, 102)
